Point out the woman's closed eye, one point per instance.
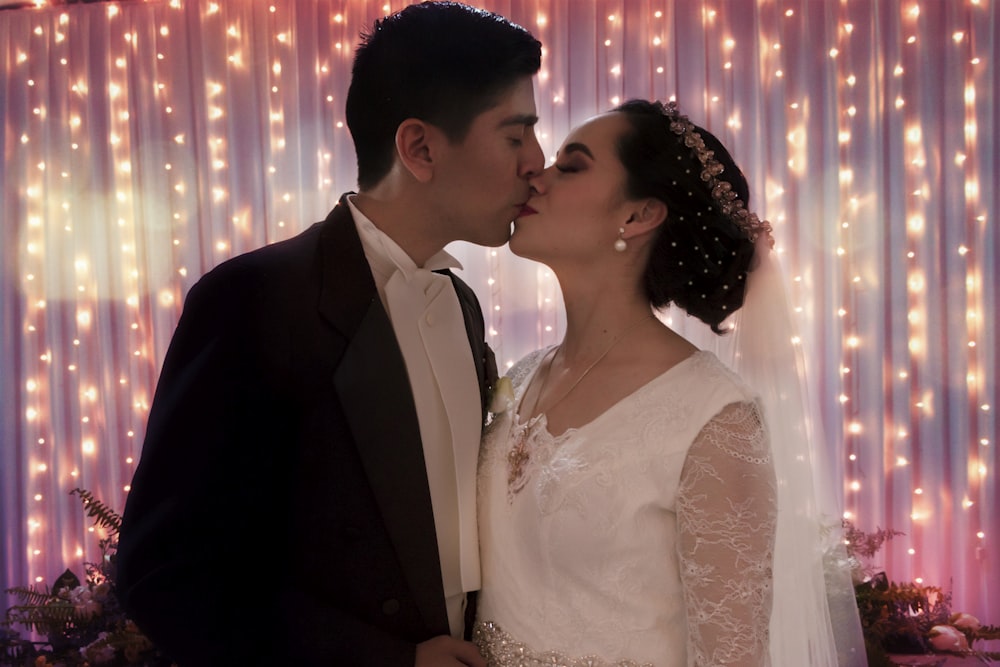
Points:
(573, 157)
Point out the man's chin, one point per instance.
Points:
(515, 247)
(495, 240)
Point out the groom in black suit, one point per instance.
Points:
(306, 493)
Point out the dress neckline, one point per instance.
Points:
(540, 421)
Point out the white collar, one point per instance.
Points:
(387, 257)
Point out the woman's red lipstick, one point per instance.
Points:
(526, 210)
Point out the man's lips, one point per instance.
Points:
(526, 210)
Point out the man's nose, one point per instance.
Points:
(537, 183)
(533, 161)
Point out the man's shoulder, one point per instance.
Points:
(293, 254)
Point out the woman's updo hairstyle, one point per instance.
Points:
(701, 255)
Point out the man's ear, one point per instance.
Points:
(647, 215)
(414, 139)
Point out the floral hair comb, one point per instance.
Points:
(722, 191)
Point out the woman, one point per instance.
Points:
(628, 499)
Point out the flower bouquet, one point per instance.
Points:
(907, 618)
(77, 624)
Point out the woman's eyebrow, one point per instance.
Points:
(578, 147)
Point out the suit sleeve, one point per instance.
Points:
(200, 555)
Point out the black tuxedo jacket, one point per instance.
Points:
(280, 513)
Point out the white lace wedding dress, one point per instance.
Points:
(644, 537)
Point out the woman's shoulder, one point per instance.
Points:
(710, 374)
(692, 393)
(523, 369)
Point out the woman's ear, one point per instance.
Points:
(413, 148)
(648, 215)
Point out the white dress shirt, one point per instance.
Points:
(427, 318)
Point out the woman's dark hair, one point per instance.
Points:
(700, 257)
(442, 62)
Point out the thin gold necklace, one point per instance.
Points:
(518, 456)
(617, 339)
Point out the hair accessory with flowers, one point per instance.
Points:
(722, 191)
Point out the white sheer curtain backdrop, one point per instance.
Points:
(145, 142)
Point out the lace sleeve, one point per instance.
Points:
(726, 513)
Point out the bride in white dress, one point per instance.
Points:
(628, 502)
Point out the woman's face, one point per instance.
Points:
(578, 204)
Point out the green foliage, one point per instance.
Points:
(898, 617)
(986, 633)
(865, 545)
(81, 624)
(101, 514)
(46, 618)
(31, 596)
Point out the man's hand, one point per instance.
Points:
(446, 651)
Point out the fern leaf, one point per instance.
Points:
(46, 618)
(101, 513)
(127, 640)
(987, 633)
(31, 596)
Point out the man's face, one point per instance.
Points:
(481, 183)
(579, 202)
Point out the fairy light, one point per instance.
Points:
(202, 217)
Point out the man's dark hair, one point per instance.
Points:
(441, 62)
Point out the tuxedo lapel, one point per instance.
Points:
(374, 389)
(481, 353)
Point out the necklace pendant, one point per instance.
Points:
(517, 462)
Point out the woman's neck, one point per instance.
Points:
(597, 318)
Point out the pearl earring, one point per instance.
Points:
(620, 244)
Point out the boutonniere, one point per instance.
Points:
(501, 399)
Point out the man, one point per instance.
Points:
(306, 493)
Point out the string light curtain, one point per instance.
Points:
(144, 143)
